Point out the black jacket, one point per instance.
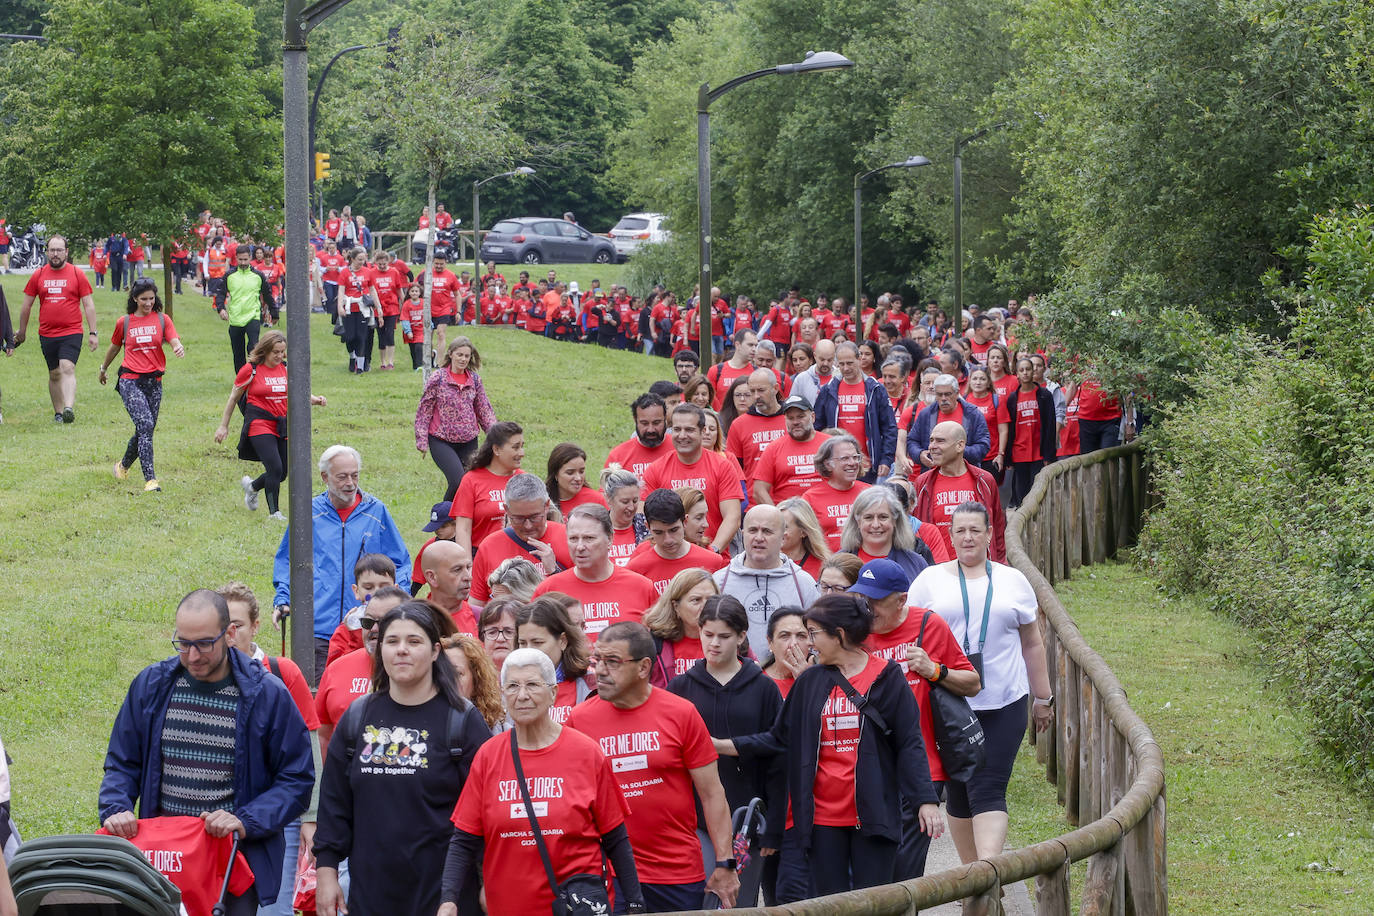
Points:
(1048, 444)
(748, 704)
(898, 760)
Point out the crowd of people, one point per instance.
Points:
(795, 549)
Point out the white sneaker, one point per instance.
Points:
(250, 496)
(277, 516)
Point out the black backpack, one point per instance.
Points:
(356, 715)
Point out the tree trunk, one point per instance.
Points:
(429, 283)
(167, 283)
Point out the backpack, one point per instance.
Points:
(356, 715)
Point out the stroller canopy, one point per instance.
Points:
(89, 876)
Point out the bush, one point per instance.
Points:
(1267, 478)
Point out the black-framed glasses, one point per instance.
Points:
(612, 662)
(495, 633)
(184, 646)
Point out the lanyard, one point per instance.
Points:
(987, 607)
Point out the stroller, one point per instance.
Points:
(748, 826)
(96, 876)
(27, 250)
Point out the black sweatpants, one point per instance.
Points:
(243, 340)
(452, 459)
(358, 337)
(1098, 434)
(843, 859)
(142, 399)
(1022, 479)
(272, 453)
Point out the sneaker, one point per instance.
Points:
(152, 486)
(57, 418)
(68, 415)
(277, 516)
(120, 471)
(250, 496)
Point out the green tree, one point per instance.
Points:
(22, 17)
(136, 124)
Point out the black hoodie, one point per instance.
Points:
(748, 704)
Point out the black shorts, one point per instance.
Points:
(5, 248)
(442, 319)
(56, 349)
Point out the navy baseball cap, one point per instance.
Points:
(880, 578)
(798, 402)
(438, 516)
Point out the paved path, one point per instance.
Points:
(1017, 901)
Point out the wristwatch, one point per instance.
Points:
(727, 863)
(1047, 701)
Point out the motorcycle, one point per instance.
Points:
(27, 251)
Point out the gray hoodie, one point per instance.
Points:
(763, 591)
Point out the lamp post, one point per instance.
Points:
(911, 162)
(477, 232)
(815, 61)
(959, 211)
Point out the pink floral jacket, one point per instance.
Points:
(452, 412)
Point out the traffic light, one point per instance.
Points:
(321, 166)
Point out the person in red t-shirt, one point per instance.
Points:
(661, 753)
(64, 296)
(739, 365)
(921, 643)
(480, 503)
(690, 465)
(650, 441)
(1070, 442)
(262, 384)
(385, 285)
(668, 552)
(100, 262)
(1099, 417)
(350, 675)
(787, 467)
(985, 397)
(442, 218)
(576, 800)
(839, 463)
(953, 481)
(528, 535)
(443, 301)
(142, 333)
(608, 593)
(752, 433)
(195, 862)
(413, 325)
(331, 262)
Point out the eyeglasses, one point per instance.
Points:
(512, 690)
(495, 633)
(830, 588)
(526, 519)
(184, 646)
(611, 662)
(367, 622)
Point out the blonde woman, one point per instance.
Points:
(673, 622)
(802, 540)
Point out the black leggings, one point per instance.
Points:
(417, 355)
(358, 337)
(272, 453)
(386, 333)
(243, 340)
(843, 859)
(452, 458)
(142, 398)
(1022, 479)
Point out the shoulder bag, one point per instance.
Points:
(958, 734)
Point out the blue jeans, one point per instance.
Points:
(282, 905)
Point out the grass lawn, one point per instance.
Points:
(95, 566)
(1255, 824)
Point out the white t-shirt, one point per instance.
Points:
(1013, 604)
(4, 776)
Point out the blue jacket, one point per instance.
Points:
(880, 425)
(977, 440)
(338, 544)
(273, 770)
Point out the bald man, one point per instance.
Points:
(809, 383)
(761, 577)
(448, 570)
(952, 481)
(751, 433)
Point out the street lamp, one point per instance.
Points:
(815, 61)
(959, 211)
(911, 162)
(477, 231)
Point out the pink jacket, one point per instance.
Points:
(452, 412)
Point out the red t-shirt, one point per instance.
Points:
(722, 376)
(266, 390)
(647, 562)
(443, 292)
(832, 507)
(331, 227)
(413, 320)
(850, 416)
(713, 474)
(949, 492)
(344, 680)
(1026, 439)
(583, 497)
(1069, 441)
(142, 340)
(635, 456)
(780, 332)
(942, 648)
(498, 547)
(652, 749)
(623, 595)
(59, 293)
(789, 466)
(839, 751)
(1094, 405)
(623, 546)
(751, 435)
(330, 265)
(978, 352)
(347, 510)
(195, 862)
(442, 220)
(296, 684)
(993, 416)
(576, 800)
(386, 287)
(352, 285)
(901, 320)
(481, 497)
(686, 653)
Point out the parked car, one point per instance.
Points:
(636, 229)
(531, 240)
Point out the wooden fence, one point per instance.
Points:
(1100, 755)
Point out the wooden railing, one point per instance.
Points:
(1100, 755)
